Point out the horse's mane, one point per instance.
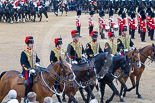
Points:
(104, 54)
(143, 48)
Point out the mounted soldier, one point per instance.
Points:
(29, 61)
(57, 51)
(75, 49)
(93, 47)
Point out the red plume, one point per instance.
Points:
(109, 34)
(56, 41)
(91, 34)
(73, 32)
(27, 39)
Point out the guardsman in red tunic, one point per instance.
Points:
(123, 22)
(152, 26)
(119, 21)
(78, 22)
(143, 27)
(148, 18)
(129, 22)
(102, 24)
(133, 25)
(93, 48)
(91, 22)
(111, 20)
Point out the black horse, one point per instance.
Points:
(118, 61)
(101, 62)
(42, 10)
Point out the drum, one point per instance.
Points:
(115, 27)
(107, 28)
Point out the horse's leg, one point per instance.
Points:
(132, 78)
(63, 97)
(121, 94)
(102, 87)
(34, 18)
(45, 13)
(58, 97)
(40, 17)
(112, 86)
(137, 86)
(23, 17)
(81, 92)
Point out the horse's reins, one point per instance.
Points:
(54, 91)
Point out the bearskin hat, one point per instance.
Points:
(79, 12)
(111, 13)
(91, 13)
(133, 15)
(148, 9)
(142, 12)
(101, 13)
(143, 16)
(152, 15)
(129, 13)
(29, 40)
(139, 9)
(58, 41)
(75, 33)
(120, 12)
(94, 34)
(111, 34)
(123, 15)
(149, 13)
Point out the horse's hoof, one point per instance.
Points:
(122, 100)
(64, 100)
(140, 97)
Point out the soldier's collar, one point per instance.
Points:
(123, 35)
(75, 41)
(28, 48)
(93, 41)
(57, 48)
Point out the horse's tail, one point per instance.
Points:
(2, 74)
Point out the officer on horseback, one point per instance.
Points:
(111, 45)
(57, 51)
(29, 61)
(93, 47)
(125, 41)
(75, 49)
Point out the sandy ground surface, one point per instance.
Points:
(12, 38)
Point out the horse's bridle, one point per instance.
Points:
(62, 69)
(134, 63)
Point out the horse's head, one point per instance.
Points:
(65, 70)
(135, 58)
(153, 52)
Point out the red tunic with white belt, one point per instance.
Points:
(123, 23)
(111, 21)
(143, 26)
(152, 24)
(101, 23)
(91, 21)
(78, 23)
(133, 25)
(119, 20)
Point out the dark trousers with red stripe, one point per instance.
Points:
(28, 82)
(130, 30)
(119, 30)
